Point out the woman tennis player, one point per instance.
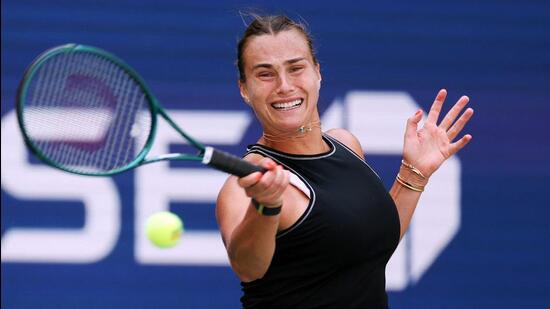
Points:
(318, 228)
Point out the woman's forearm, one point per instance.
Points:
(252, 244)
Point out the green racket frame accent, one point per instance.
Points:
(154, 107)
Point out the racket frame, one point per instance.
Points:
(154, 106)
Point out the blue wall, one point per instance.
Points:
(496, 52)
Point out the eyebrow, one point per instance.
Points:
(268, 65)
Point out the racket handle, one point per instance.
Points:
(229, 163)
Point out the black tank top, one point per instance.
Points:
(335, 255)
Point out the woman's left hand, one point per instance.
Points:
(427, 148)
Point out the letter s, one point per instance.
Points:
(25, 181)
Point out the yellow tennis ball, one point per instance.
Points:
(164, 229)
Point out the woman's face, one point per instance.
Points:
(282, 82)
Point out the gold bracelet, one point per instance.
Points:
(413, 169)
(409, 185)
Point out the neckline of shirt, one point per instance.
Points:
(328, 153)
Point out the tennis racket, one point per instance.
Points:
(83, 110)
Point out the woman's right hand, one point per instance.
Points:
(266, 188)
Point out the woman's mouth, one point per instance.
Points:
(285, 106)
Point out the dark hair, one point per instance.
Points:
(270, 25)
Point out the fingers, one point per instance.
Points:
(412, 124)
(269, 190)
(273, 192)
(266, 188)
(459, 124)
(433, 115)
(251, 179)
(454, 112)
(455, 147)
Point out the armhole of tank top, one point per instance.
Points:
(353, 153)
(299, 183)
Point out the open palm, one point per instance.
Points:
(427, 148)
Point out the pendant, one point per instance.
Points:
(304, 129)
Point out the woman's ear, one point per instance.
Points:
(244, 92)
(318, 67)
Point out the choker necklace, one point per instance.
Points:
(301, 132)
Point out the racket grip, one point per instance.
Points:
(229, 163)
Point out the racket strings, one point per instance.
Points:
(86, 97)
(118, 139)
(53, 80)
(118, 151)
(84, 113)
(114, 79)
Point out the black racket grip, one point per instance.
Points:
(229, 163)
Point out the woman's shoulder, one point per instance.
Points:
(347, 138)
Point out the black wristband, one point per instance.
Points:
(266, 211)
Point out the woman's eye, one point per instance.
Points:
(296, 69)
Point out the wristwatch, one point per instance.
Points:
(266, 211)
